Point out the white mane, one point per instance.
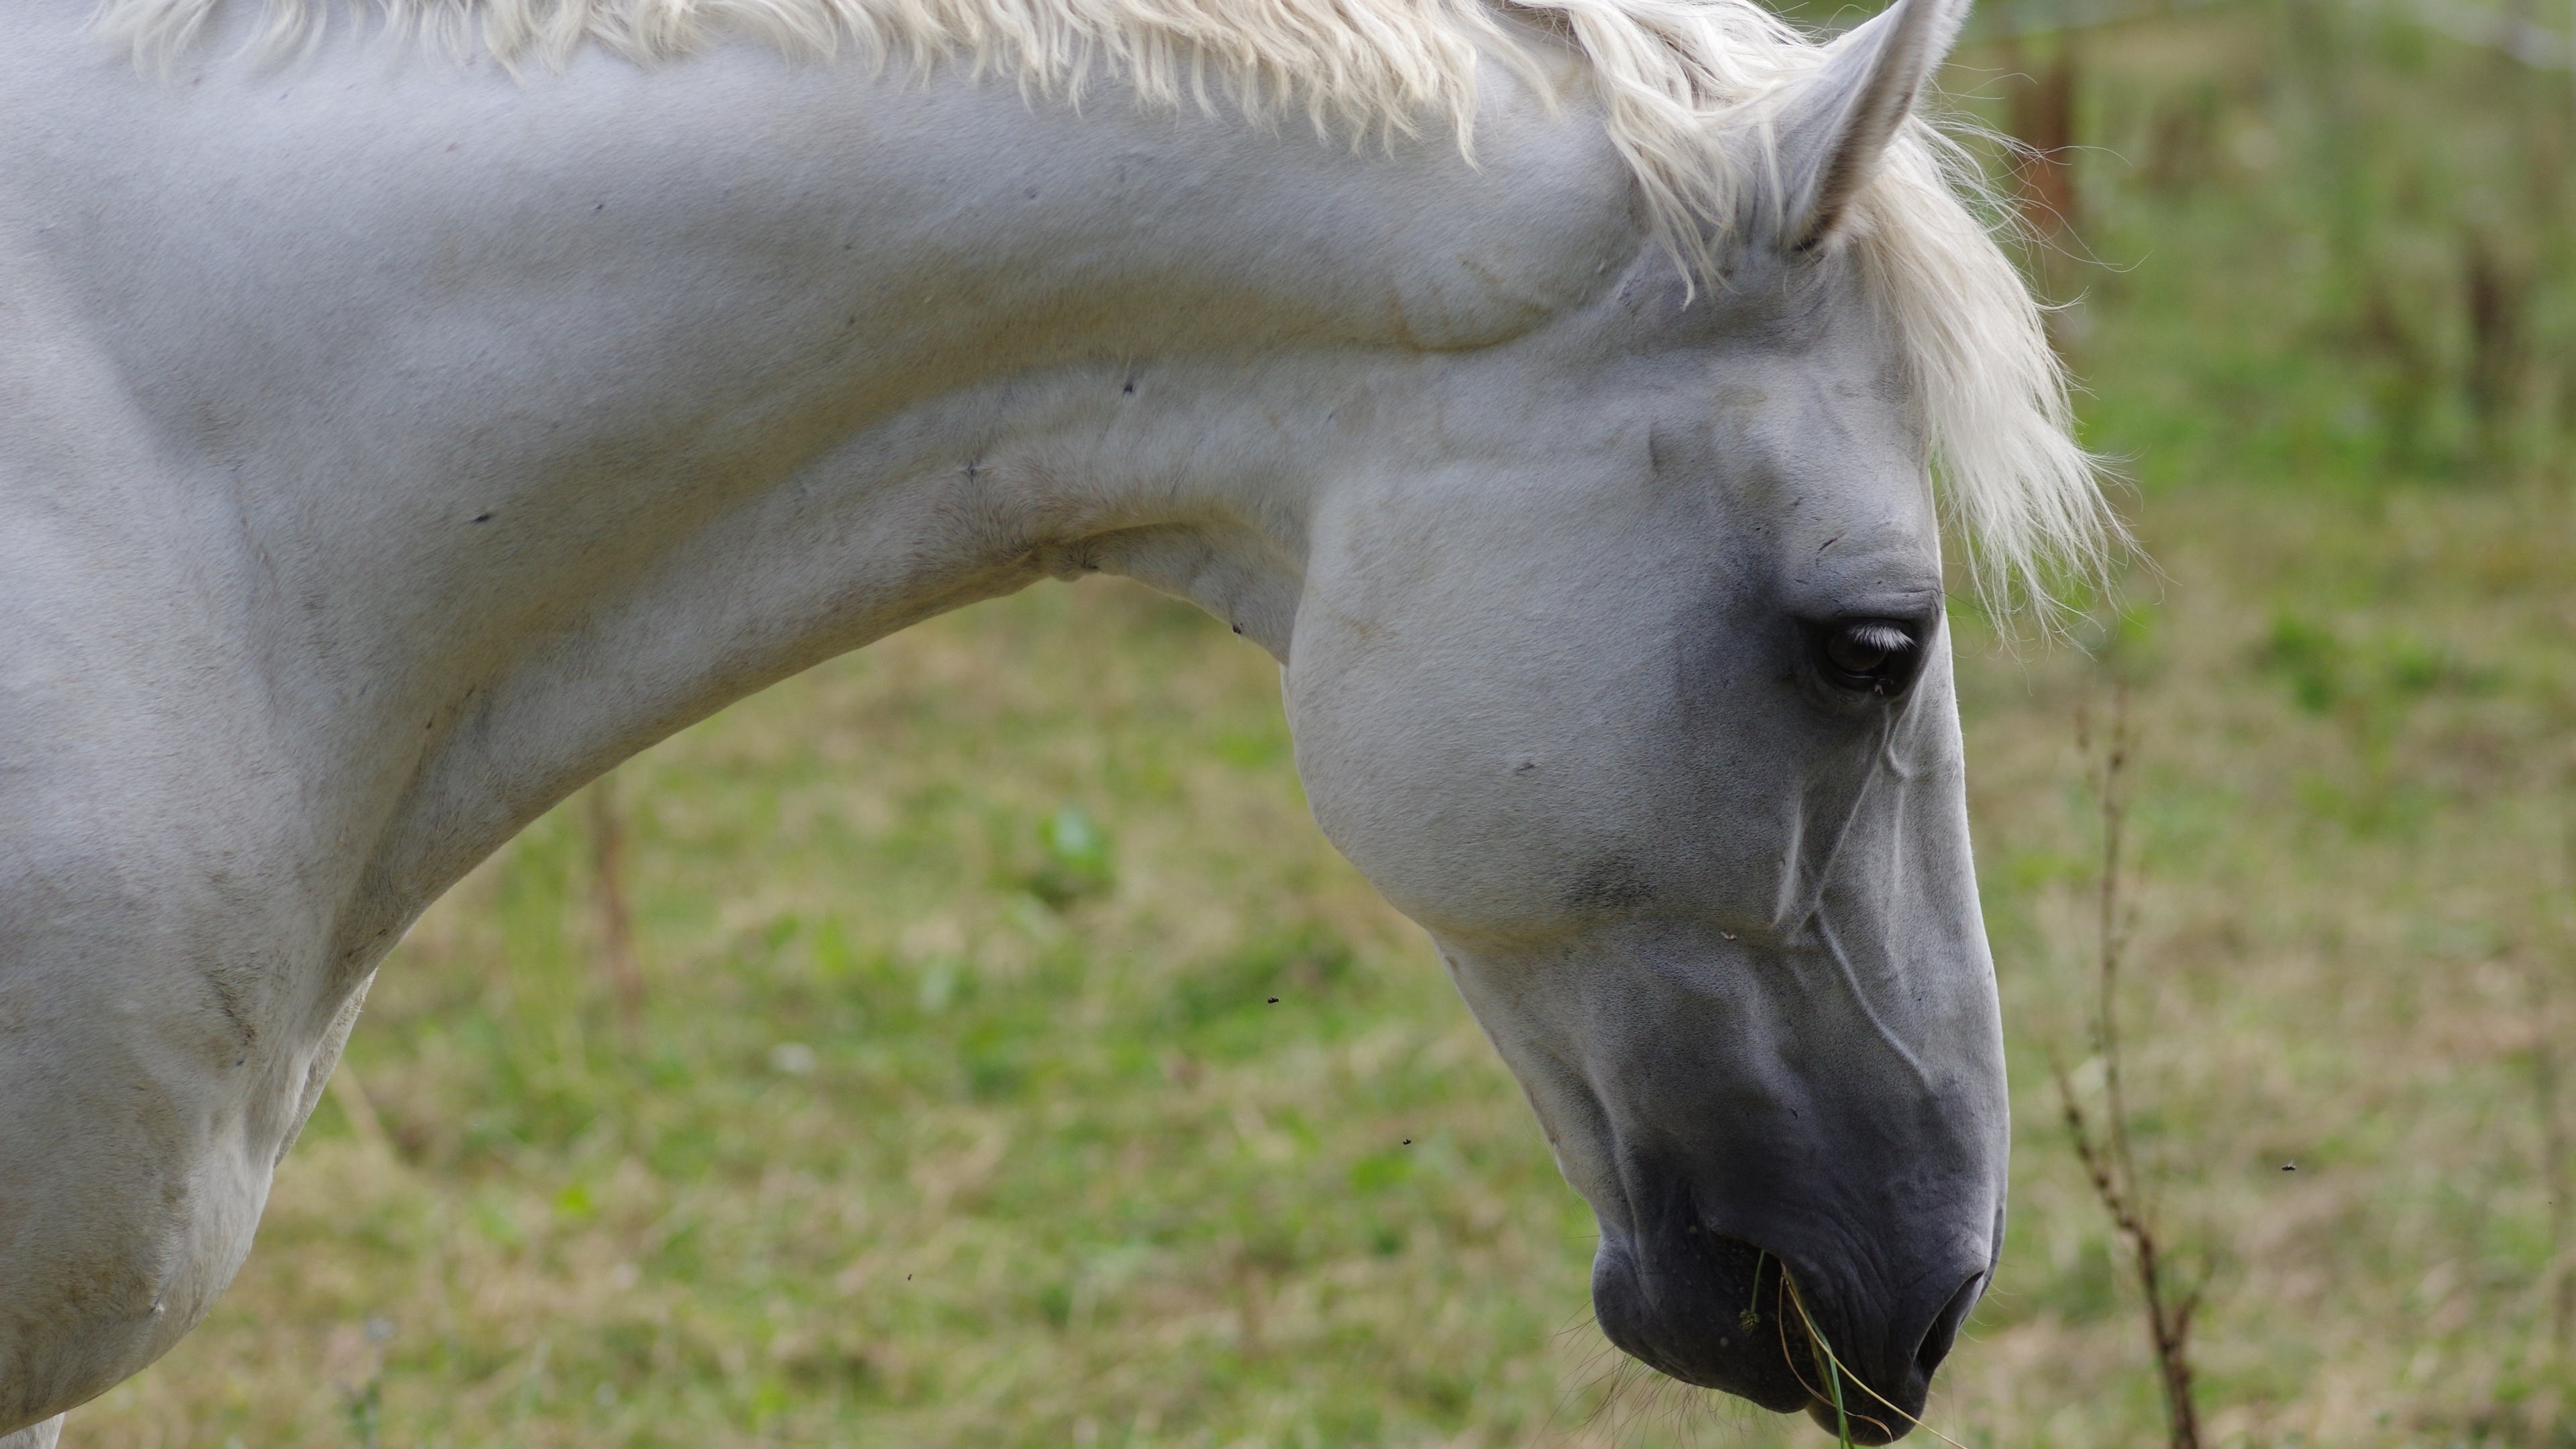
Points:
(1684, 86)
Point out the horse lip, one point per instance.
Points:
(1867, 1417)
(1863, 1429)
(1708, 1321)
(1727, 1314)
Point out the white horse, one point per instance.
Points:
(410, 408)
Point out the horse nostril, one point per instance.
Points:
(1945, 1325)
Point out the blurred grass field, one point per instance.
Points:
(958, 1109)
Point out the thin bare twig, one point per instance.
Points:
(2557, 1154)
(2560, 1275)
(2110, 1160)
(608, 902)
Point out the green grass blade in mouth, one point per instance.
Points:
(1833, 1371)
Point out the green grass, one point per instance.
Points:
(959, 1112)
(907, 1155)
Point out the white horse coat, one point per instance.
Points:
(390, 443)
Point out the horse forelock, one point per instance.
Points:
(1685, 87)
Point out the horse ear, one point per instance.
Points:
(1833, 128)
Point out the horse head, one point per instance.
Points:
(1649, 720)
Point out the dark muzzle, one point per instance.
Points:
(1727, 1314)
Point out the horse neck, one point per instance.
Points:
(523, 424)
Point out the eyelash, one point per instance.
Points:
(1891, 650)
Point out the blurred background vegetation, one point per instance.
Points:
(973, 1043)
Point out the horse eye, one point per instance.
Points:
(1872, 654)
